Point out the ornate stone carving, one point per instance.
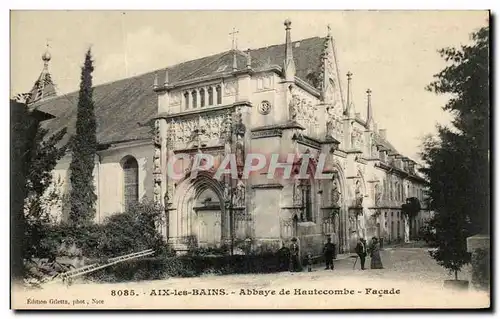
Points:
(157, 191)
(209, 129)
(267, 133)
(171, 134)
(240, 151)
(240, 194)
(335, 193)
(297, 193)
(378, 194)
(227, 191)
(353, 222)
(157, 163)
(230, 88)
(265, 107)
(330, 127)
(374, 151)
(293, 107)
(239, 128)
(358, 195)
(356, 138)
(156, 133)
(225, 132)
(175, 98)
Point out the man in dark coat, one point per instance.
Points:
(328, 252)
(294, 256)
(284, 258)
(361, 251)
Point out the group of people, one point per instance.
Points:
(330, 254)
(373, 250)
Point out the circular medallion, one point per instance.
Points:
(265, 107)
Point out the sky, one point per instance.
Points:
(394, 53)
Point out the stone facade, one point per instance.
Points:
(240, 105)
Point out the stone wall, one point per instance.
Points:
(480, 248)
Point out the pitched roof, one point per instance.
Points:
(123, 106)
(385, 144)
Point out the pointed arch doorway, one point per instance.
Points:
(201, 219)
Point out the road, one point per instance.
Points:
(410, 279)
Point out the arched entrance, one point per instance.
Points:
(201, 217)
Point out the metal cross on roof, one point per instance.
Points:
(233, 34)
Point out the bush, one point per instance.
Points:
(120, 234)
(132, 231)
(186, 266)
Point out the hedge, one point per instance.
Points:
(189, 266)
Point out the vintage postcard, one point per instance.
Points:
(250, 159)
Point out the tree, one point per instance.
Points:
(84, 149)
(457, 160)
(34, 155)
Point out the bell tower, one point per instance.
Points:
(44, 87)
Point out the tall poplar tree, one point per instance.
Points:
(83, 151)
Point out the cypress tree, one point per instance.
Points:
(83, 151)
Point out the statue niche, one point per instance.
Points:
(293, 107)
(358, 195)
(336, 193)
(378, 194)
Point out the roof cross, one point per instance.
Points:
(235, 40)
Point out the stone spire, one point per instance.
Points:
(43, 87)
(350, 110)
(155, 82)
(369, 112)
(289, 63)
(166, 78)
(249, 59)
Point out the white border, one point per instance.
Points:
(190, 5)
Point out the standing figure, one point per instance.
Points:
(361, 251)
(309, 262)
(376, 261)
(284, 258)
(328, 253)
(294, 256)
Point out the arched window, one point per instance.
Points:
(219, 94)
(130, 182)
(186, 100)
(202, 97)
(210, 96)
(194, 98)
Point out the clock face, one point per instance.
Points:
(265, 107)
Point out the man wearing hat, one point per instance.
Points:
(294, 256)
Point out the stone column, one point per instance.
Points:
(157, 167)
(480, 247)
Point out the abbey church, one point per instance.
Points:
(288, 98)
